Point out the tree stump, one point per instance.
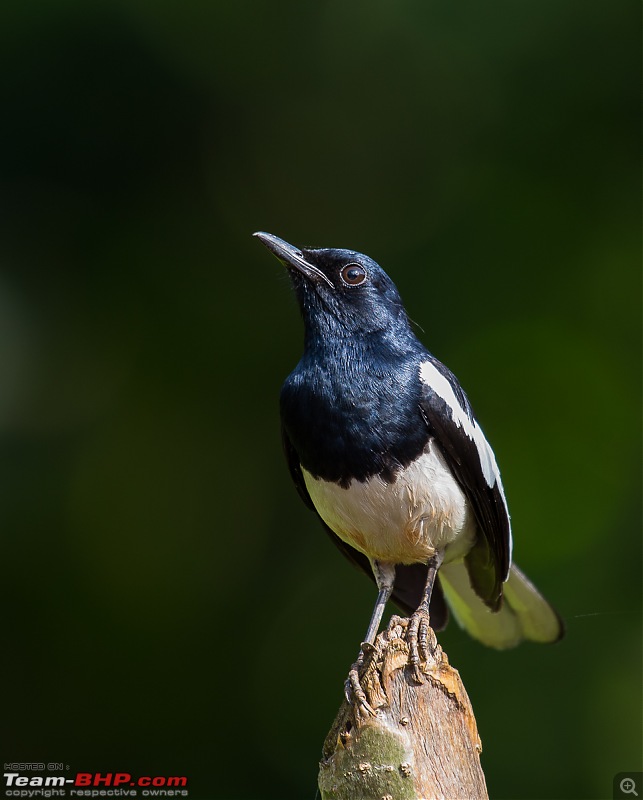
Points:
(423, 740)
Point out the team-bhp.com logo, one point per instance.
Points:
(95, 784)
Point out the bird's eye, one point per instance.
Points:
(353, 274)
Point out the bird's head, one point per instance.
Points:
(340, 291)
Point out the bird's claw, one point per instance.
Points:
(417, 637)
(367, 649)
(353, 691)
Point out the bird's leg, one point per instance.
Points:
(385, 578)
(418, 630)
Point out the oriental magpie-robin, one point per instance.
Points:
(382, 443)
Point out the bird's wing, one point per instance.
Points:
(292, 459)
(409, 579)
(449, 417)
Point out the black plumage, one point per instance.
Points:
(369, 411)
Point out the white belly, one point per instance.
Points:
(422, 512)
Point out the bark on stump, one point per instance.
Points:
(423, 741)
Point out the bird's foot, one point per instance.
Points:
(417, 639)
(353, 691)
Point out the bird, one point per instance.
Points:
(382, 443)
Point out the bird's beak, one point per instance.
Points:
(291, 257)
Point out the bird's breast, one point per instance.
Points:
(421, 512)
(348, 423)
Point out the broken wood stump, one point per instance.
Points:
(422, 741)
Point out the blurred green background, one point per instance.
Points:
(170, 607)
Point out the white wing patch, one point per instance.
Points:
(441, 386)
